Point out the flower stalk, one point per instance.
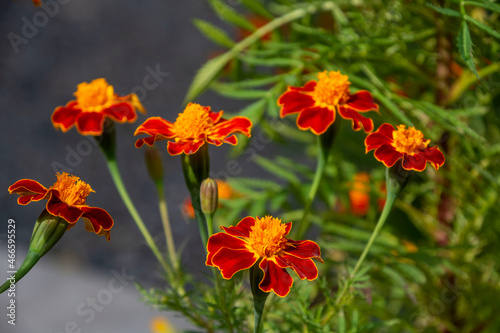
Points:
(107, 144)
(47, 231)
(325, 142)
(259, 296)
(396, 180)
(196, 168)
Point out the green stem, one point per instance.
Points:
(169, 239)
(28, 263)
(320, 169)
(117, 179)
(196, 168)
(396, 180)
(210, 223)
(259, 296)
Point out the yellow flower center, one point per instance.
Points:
(193, 123)
(267, 237)
(331, 89)
(94, 96)
(71, 189)
(408, 140)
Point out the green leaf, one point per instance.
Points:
(256, 7)
(272, 62)
(485, 4)
(483, 26)
(464, 43)
(214, 33)
(227, 13)
(239, 94)
(411, 272)
(276, 169)
(206, 74)
(444, 11)
(254, 111)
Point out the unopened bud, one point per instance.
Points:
(209, 196)
(154, 164)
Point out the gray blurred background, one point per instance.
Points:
(76, 41)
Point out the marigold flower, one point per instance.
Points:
(318, 101)
(161, 325)
(194, 127)
(94, 102)
(359, 195)
(37, 3)
(407, 144)
(263, 241)
(66, 199)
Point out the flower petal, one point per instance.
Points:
(64, 117)
(186, 147)
(230, 261)
(387, 154)
(294, 101)
(275, 278)
(305, 249)
(215, 116)
(90, 123)
(121, 112)
(28, 190)
(97, 220)
(362, 101)
(158, 129)
(222, 240)
(309, 86)
(242, 229)
(233, 140)
(383, 135)
(58, 208)
(305, 268)
(358, 120)
(225, 128)
(434, 156)
(316, 118)
(415, 162)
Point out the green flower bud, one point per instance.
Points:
(209, 196)
(154, 164)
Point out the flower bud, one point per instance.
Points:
(209, 196)
(154, 164)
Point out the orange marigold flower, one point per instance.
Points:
(359, 195)
(94, 102)
(317, 103)
(66, 199)
(263, 241)
(194, 127)
(37, 2)
(408, 144)
(161, 325)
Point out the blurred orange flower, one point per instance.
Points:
(94, 102)
(359, 195)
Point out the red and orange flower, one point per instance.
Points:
(94, 102)
(317, 103)
(406, 144)
(263, 242)
(66, 199)
(194, 127)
